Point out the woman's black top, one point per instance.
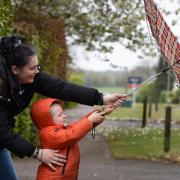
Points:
(13, 101)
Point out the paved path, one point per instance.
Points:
(97, 163)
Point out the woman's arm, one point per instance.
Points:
(14, 142)
(58, 88)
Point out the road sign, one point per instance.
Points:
(134, 81)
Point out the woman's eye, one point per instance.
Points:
(33, 68)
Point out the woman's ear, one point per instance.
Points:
(14, 70)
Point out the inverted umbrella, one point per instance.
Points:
(165, 39)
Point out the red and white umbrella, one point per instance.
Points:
(165, 39)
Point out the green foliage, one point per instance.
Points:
(177, 96)
(87, 23)
(174, 96)
(161, 82)
(141, 143)
(170, 96)
(25, 127)
(163, 97)
(48, 36)
(6, 15)
(123, 22)
(49, 52)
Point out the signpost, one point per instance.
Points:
(134, 82)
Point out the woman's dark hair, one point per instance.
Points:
(15, 52)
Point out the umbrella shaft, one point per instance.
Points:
(148, 80)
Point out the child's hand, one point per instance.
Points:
(96, 117)
(107, 109)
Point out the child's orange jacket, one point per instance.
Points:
(54, 136)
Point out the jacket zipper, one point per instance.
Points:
(64, 167)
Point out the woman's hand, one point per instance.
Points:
(51, 157)
(114, 99)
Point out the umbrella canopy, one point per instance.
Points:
(165, 39)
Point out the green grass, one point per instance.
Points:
(135, 112)
(142, 143)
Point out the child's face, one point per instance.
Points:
(58, 116)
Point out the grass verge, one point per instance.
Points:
(138, 143)
(135, 112)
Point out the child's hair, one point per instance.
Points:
(54, 104)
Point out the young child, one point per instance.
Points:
(55, 133)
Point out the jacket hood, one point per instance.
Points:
(40, 112)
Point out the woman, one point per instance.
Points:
(20, 78)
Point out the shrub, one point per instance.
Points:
(25, 127)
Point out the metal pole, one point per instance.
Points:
(148, 80)
(144, 119)
(168, 82)
(167, 129)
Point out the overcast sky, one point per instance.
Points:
(120, 56)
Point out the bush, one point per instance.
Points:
(171, 96)
(25, 127)
(163, 97)
(176, 98)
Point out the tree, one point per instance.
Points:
(95, 23)
(48, 35)
(161, 82)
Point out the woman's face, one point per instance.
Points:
(27, 73)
